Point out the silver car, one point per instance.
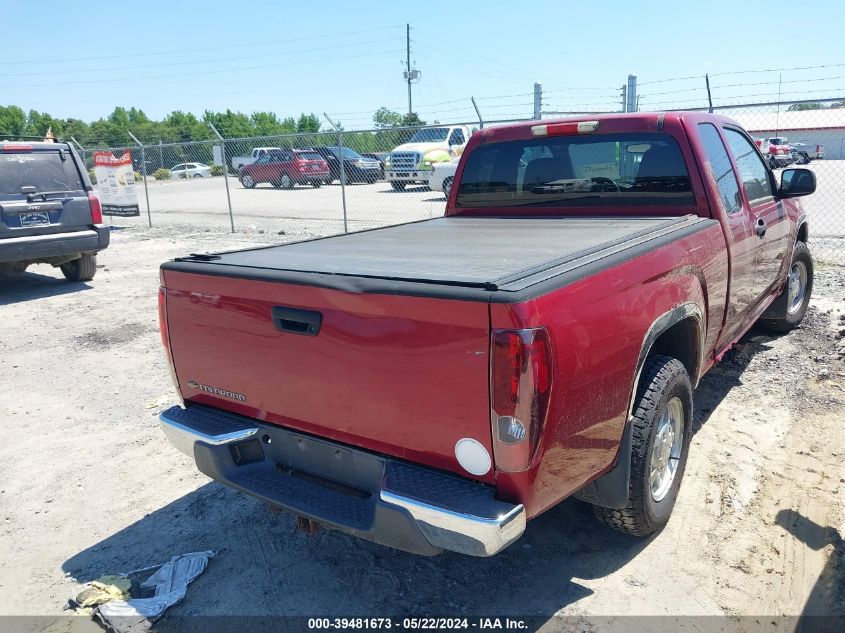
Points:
(190, 170)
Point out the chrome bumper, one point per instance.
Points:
(404, 503)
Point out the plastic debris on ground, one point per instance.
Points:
(129, 603)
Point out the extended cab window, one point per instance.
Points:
(755, 176)
(583, 170)
(720, 167)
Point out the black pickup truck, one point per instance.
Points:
(49, 213)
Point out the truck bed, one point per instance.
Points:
(454, 257)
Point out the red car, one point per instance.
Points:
(285, 168)
(434, 385)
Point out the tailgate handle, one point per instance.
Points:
(297, 321)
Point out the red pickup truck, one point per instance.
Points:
(434, 385)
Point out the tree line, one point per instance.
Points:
(175, 127)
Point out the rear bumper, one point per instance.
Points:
(376, 498)
(41, 247)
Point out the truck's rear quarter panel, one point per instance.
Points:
(597, 328)
(404, 376)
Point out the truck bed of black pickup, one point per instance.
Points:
(500, 259)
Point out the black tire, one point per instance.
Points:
(662, 380)
(397, 185)
(447, 186)
(82, 269)
(247, 181)
(286, 182)
(316, 184)
(793, 316)
(197, 175)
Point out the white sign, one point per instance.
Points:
(116, 183)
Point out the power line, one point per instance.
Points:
(202, 61)
(191, 74)
(198, 50)
(452, 46)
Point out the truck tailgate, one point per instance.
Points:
(405, 376)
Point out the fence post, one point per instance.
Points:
(144, 174)
(225, 173)
(538, 102)
(342, 171)
(478, 112)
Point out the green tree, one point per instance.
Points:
(412, 119)
(12, 121)
(797, 107)
(384, 118)
(308, 123)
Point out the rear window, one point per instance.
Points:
(308, 156)
(585, 170)
(46, 171)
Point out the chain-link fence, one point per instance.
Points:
(332, 182)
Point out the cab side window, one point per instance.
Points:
(720, 166)
(457, 138)
(752, 170)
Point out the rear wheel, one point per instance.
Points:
(286, 182)
(197, 175)
(82, 269)
(662, 430)
(397, 186)
(316, 184)
(247, 181)
(447, 186)
(799, 288)
(13, 268)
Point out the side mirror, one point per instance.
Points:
(797, 182)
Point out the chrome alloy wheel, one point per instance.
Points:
(796, 287)
(666, 449)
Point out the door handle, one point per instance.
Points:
(297, 321)
(761, 227)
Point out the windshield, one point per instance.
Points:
(45, 171)
(594, 170)
(430, 135)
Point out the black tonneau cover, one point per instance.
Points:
(486, 254)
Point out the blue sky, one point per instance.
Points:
(345, 58)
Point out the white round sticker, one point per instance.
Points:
(472, 456)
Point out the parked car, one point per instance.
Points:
(381, 157)
(802, 153)
(431, 386)
(413, 162)
(49, 213)
(776, 151)
(357, 167)
(284, 168)
(190, 170)
(242, 161)
(442, 176)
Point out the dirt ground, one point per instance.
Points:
(89, 486)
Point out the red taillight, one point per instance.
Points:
(162, 318)
(15, 147)
(96, 208)
(520, 385)
(165, 335)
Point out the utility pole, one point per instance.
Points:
(411, 74)
(408, 64)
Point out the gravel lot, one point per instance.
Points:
(88, 486)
